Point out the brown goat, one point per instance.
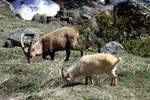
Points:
(62, 39)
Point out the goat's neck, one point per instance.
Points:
(75, 70)
(39, 49)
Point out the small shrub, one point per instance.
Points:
(89, 39)
(71, 14)
(138, 47)
(124, 28)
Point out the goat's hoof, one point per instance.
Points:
(113, 85)
(66, 59)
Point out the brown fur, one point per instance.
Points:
(62, 39)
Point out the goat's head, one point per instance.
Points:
(67, 78)
(28, 51)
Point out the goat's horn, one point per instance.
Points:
(21, 41)
(22, 44)
(62, 74)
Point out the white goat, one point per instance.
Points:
(89, 65)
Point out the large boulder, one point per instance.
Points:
(6, 9)
(113, 48)
(14, 40)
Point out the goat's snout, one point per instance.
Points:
(30, 58)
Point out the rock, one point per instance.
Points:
(93, 4)
(67, 19)
(104, 2)
(6, 9)
(125, 8)
(85, 16)
(14, 40)
(113, 48)
(86, 8)
(94, 24)
(40, 18)
(101, 1)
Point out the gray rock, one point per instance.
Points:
(94, 24)
(66, 19)
(85, 16)
(93, 4)
(14, 40)
(40, 18)
(86, 9)
(6, 8)
(113, 48)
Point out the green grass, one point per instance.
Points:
(23, 81)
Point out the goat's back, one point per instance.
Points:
(70, 32)
(97, 63)
(59, 39)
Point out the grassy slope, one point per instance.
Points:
(24, 81)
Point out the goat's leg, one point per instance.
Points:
(67, 54)
(80, 48)
(52, 55)
(86, 80)
(44, 55)
(91, 81)
(113, 77)
(113, 80)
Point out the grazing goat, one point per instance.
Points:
(62, 39)
(89, 65)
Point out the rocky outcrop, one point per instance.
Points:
(113, 48)
(73, 12)
(14, 40)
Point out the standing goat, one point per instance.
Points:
(89, 65)
(62, 39)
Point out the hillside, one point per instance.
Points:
(41, 79)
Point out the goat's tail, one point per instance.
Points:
(119, 59)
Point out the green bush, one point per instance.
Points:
(125, 29)
(88, 36)
(138, 47)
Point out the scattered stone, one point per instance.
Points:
(94, 24)
(113, 48)
(14, 40)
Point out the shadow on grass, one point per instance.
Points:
(72, 84)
